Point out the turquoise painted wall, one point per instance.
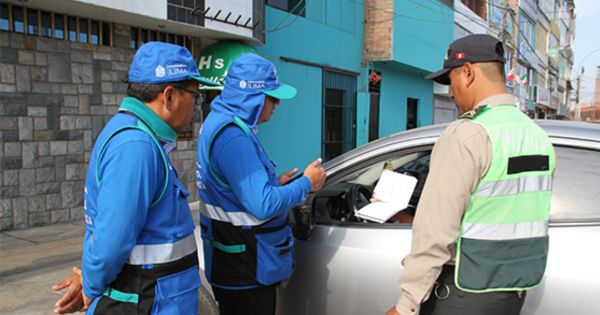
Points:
(362, 110)
(422, 32)
(421, 35)
(396, 86)
(293, 136)
(330, 34)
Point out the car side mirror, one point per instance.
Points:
(302, 222)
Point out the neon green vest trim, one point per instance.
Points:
(503, 245)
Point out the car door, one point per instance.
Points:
(572, 279)
(351, 266)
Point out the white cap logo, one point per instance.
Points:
(243, 84)
(160, 71)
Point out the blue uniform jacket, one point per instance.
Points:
(237, 181)
(129, 207)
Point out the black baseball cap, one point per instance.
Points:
(471, 48)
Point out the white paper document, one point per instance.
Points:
(393, 192)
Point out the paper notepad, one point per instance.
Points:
(393, 192)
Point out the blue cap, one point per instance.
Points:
(251, 73)
(157, 62)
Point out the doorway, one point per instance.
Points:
(411, 113)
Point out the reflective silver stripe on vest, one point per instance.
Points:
(162, 253)
(498, 232)
(515, 186)
(235, 218)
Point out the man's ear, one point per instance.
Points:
(169, 93)
(469, 73)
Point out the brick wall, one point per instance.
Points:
(55, 98)
(379, 23)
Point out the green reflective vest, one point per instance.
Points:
(503, 244)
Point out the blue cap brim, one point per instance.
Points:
(204, 81)
(283, 92)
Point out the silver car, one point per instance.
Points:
(345, 265)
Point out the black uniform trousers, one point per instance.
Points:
(256, 301)
(447, 299)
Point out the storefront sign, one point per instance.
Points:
(554, 101)
(216, 58)
(542, 95)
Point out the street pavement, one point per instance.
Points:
(32, 260)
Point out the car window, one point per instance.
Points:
(369, 175)
(576, 190)
(339, 198)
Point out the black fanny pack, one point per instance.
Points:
(134, 290)
(249, 256)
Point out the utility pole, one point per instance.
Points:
(577, 95)
(505, 38)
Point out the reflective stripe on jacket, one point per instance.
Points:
(136, 208)
(503, 243)
(244, 216)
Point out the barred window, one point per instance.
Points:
(18, 19)
(32, 22)
(46, 24)
(35, 22)
(95, 32)
(139, 36)
(83, 30)
(72, 25)
(59, 26)
(297, 7)
(4, 17)
(339, 114)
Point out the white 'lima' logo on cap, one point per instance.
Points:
(160, 71)
(243, 84)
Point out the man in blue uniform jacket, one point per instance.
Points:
(247, 241)
(139, 251)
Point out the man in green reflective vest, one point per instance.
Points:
(480, 235)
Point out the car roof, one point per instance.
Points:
(571, 129)
(554, 128)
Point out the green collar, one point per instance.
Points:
(143, 112)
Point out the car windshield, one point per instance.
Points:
(368, 176)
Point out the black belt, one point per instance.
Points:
(447, 275)
(161, 270)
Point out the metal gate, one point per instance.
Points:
(339, 113)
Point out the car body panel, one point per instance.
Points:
(347, 269)
(354, 269)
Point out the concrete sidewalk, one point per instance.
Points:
(32, 260)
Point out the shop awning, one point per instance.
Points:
(216, 59)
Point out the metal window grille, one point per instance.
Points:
(339, 113)
(139, 36)
(35, 22)
(297, 7)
